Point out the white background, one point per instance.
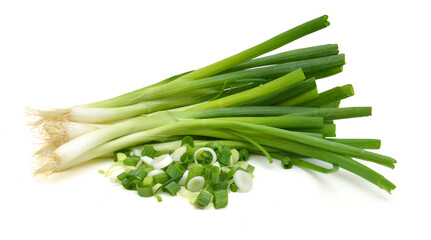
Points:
(63, 53)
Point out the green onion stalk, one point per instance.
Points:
(179, 94)
(329, 151)
(150, 93)
(85, 142)
(208, 83)
(290, 117)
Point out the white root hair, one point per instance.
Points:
(51, 126)
(45, 116)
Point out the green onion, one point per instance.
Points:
(254, 93)
(145, 191)
(195, 184)
(131, 161)
(139, 173)
(162, 161)
(337, 113)
(148, 182)
(330, 96)
(243, 180)
(172, 188)
(220, 199)
(244, 154)
(224, 158)
(289, 56)
(122, 176)
(317, 168)
(175, 170)
(188, 140)
(194, 171)
(203, 199)
(267, 46)
(285, 94)
(205, 155)
(215, 174)
(328, 130)
(148, 151)
(250, 168)
(359, 143)
(161, 178)
(233, 187)
(305, 97)
(129, 183)
(199, 128)
(286, 161)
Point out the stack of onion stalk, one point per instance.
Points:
(268, 105)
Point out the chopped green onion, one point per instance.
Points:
(233, 187)
(155, 172)
(183, 179)
(234, 157)
(145, 191)
(174, 170)
(178, 153)
(148, 182)
(194, 171)
(158, 187)
(161, 178)
(243, 180)
(188, 140)
(203, 199)
(159, 198)
(225, 154)
(129, 183)
(220, 185)
(215, 174)
(139, 173)
(148, 151)
(101, 171)
(205, 155)
(250, 168)
(122, 176)
(244, 154)
(220, 199)
(147, 160)
(196, 183)
(131, 161)
(162, 161)
(172, 188)
(136, 152)
(119, 156)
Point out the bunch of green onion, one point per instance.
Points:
(267, 105)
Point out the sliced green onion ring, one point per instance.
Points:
(176, 155)
(206, 149)
(136, 152)
(162, 161)
(234, 157)
(146, 160)
(196, 184)
(183, 179)
(243, 180)
(155, 172)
